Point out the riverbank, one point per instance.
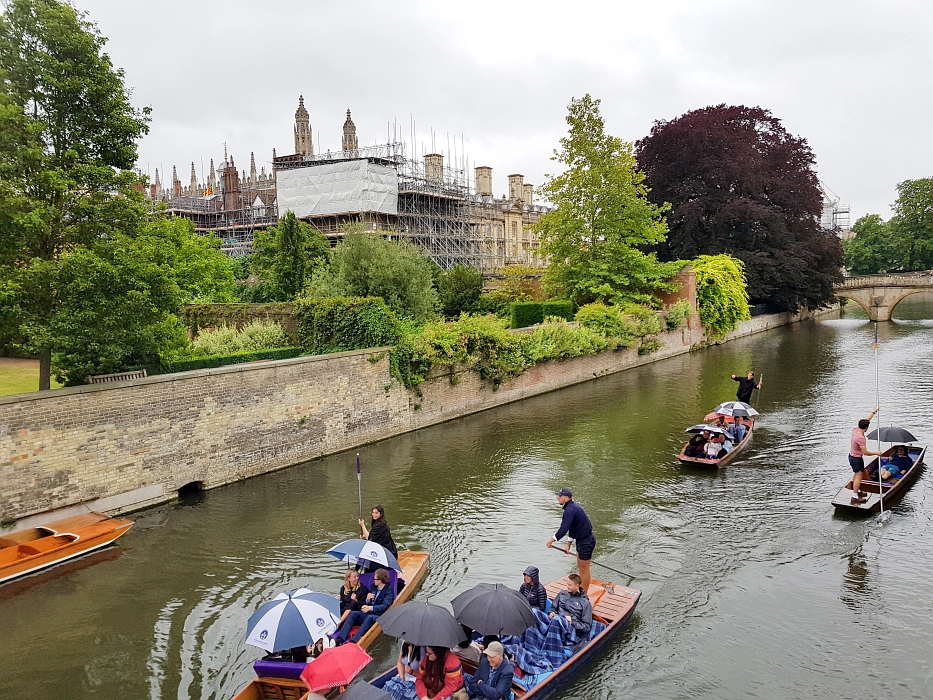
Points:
(123, 446)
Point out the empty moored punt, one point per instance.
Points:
(284, 675)
(37, 548)
(613, 606)
(885, 493)
(719, 463)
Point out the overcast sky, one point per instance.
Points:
(855, 78)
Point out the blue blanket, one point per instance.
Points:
(547, 645)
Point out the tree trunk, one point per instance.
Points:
(45, 370)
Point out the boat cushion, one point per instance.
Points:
(278, 669)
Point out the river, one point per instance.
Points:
(753, 587)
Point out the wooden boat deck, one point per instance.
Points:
(273, 689)
(414, 566)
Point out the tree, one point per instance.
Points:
(872, 250)
(739, 183)
(68, 144)
(367, 265)
(602, 218)
(197, 265)
(912, 224)
(285, 255)
(458, 290)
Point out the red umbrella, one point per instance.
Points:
(712, 416)
(335, 667)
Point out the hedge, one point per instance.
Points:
(531, 313)
(337, 324)
(212, 361)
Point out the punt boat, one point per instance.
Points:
(704, 463)
(277, 679)
(889, 491)
(613, 605)
(37, 548)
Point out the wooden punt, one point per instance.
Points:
(613, 605)
(274, 689)
(891, 490)
(37, 548)
(414, 566)
(719, 463)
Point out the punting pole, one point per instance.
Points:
(878, 425)
(593, 561)
(359, 485)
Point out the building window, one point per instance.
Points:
(514, 230)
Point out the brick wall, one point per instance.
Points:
(115, 447)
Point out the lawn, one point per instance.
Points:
(19, 376)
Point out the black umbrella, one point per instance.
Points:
(892, 434)
(716, 430)
(491, 608)
(364, 691)
(422, 624)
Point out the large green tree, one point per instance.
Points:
(285, 255)
(68, 144)
(458, 289)
(912, 224)
(737, 182)
(367, 265)
(873, 248)
(602, 221)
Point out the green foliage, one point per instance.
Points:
(722, 297)
(873, 249)
(649, 345)
(912, 224)
(526, 313)
(366, 265)
(242, 267)
(602, 218)
(182, 364)
(677, 313)
(647, 321)
(255, 335)
(458, 290)
(559, 340)
(558, 308)
(493, 303)
(337, 324)
(201, 271)
(285, 256)
(68, 137)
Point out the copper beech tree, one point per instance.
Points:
(737, 182)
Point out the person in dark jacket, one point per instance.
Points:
(533, 590)
(577, 524)
(378, 531)
(493, 677)
(746, 387)
(352, 594)
(377, 602)
(696, 447)
(574, 605)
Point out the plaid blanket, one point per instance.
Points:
(547, 645)
(400, 689)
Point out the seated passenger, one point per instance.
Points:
(712, 448)
(726, 445)
(402, 687)
(723, 425)
(696, 447)
(739, 431)
(533, 589)
(377, 602)
(900, 462)
(493, 677)
(574, 605)
(352, 594)
(440, 675)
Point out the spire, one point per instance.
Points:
(212, 178)
(349, 134)
(304, 144)
(158, 182)
(176, 183)
(194, 181)
(252, 168)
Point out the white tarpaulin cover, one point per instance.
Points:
(338, 188)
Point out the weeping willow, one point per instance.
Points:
(722, 293)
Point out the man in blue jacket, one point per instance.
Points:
(377, 603)
(577, 523)
(493, 679)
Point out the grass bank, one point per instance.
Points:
(19, 376)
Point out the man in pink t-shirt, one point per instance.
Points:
(857, 450)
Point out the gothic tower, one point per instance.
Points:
(349, 134)
(304, 144)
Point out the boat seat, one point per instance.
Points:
(24, 550)
(369, 580)
(280, 691)
(4, 542)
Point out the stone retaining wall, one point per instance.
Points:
(116, 447)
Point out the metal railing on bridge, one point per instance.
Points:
(894, 279)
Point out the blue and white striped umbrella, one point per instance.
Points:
(353, 551)
(293, 619)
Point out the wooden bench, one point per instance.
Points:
(116, 377)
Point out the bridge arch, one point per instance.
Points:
(879, 294)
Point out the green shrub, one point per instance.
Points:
(722, 295)
(647, 321)
(187, 364)
(552, 341)
(608, 320)
(493, 303)
(649, 345)
(558, 307)
(458, 289)
(337, 324)
(677, 313)
(526, 313)
(255, 335)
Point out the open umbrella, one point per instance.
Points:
(735, 408)
(891, 434)
(356, 550)
(335, 666)
(703, 426)
(364, 691)
(491, 608)
(292, 619)
(422, 624)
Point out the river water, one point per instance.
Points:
(752, 586)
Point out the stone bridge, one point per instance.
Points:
(879, 294)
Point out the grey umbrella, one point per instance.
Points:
(491, 608)
(422, 624)
(364, 691)
(703, 426)
(891, 434)
(735, 408)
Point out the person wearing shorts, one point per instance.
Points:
(576, 523)
(857, 450)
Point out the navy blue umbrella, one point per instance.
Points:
(293, 619)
